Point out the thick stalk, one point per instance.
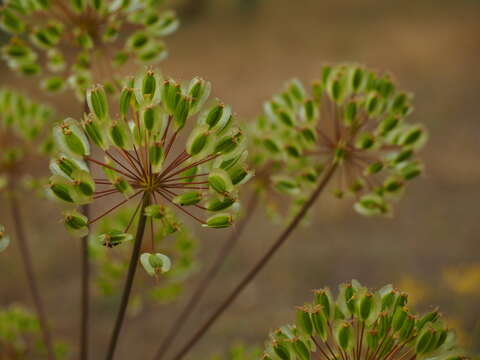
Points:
(259, 265)
(129, 281)
(31, 279)
(204, 284)
(85, 283)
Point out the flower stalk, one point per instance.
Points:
(259, 265)
(130, 277)
(205, 283)
(28, 265)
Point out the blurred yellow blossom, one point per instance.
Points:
(417, 291)
(464, 280)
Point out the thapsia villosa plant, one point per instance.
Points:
(351, 126)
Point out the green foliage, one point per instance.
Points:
(24, 134)
(20, 335)
(362, 324)
(352, 117)
(99, 32)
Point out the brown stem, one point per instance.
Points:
(85, 293)
(204, 284)
(129, 281)
(31, 279)
(259, 265)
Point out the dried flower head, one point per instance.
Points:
(361, 324)
(76, 38)
(354, 118)
(23, 134)
(169, 237)
(138, 147)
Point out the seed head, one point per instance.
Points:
(361, 324)
(43, 31)
(352, 117)
(138, 146)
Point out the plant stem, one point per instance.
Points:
(85, 293)
(259, 265)
(85, 281)
(130, 276)
(204, 284)
(27, 263)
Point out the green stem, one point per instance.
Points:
(130, 277)
(258, 266)
(203, 285)
(31, 279)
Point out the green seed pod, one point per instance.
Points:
(97, 102)
(63, 166)
(4, 239)
(240, 175)
(393, 186)
(114, 238)
(95, 131)
(301, 350)
(188, 198)
(343, 333)
(371, 204)
(399, 317)
(137, 41)
(155, 264)
(219, 221)
(309, 135)
(53, 84)
(374, 168)
(198, 140)
(324, 298)
(10, 22)
(156, 157)
(282, 351)
(430, 317)
(61, 189)
(285, 185)
(219, 180)
(83, 183)
(366, 306)
(70, 138)
(180, 114)
(216, 117)
(230, 143)
(151, 117)
(272, 145)
(148, 88)
(410, 170)
(423, 341)
(407, 328)
(319, 322)
(415, 136)
(123, 186)
(373, 104)
(372, 339)
(388, 300)
(155, 211)
(220, 204)
(83, 39)
(387, 125)
(357, 78)
(286, 118)
(304, 321)
(198, 91)
(120, 135)
(76, 223)
(171, 93)
(126, 98)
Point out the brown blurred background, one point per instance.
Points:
(247, 49)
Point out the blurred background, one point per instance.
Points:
(248, 49)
